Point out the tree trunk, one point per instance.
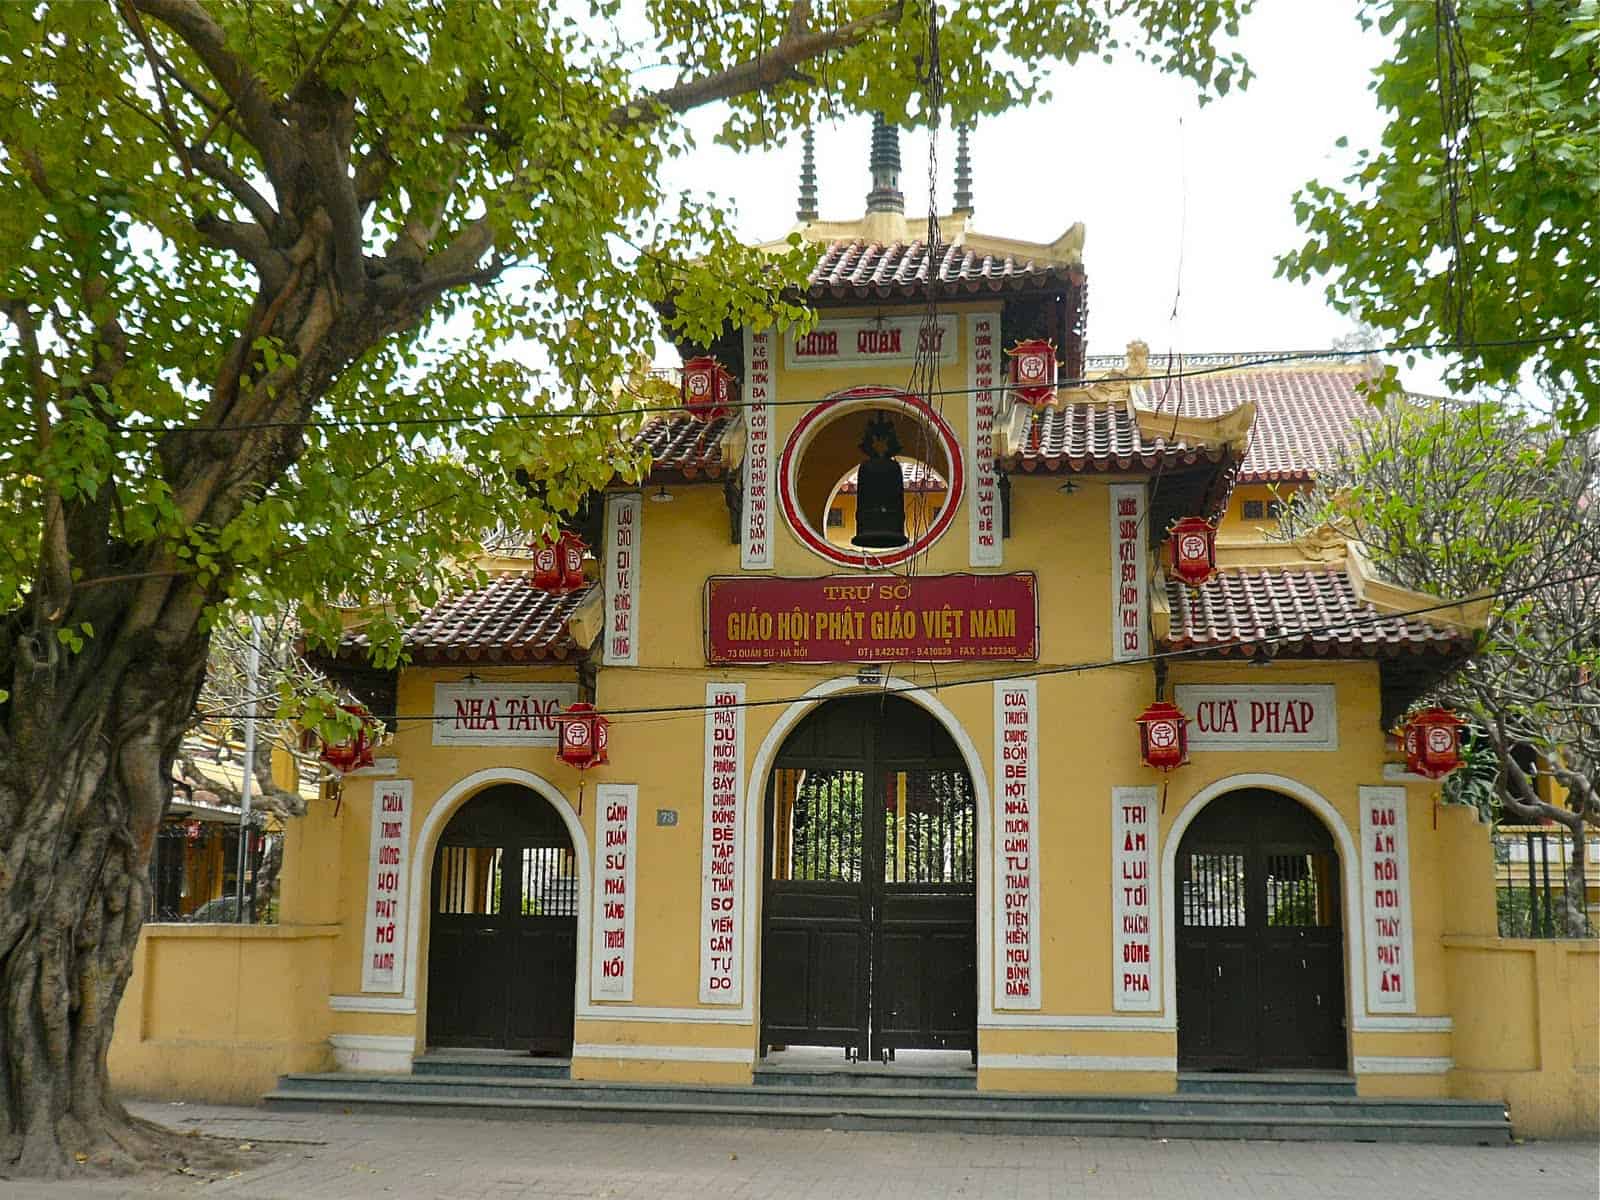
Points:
(1575, 907)
(86, 747)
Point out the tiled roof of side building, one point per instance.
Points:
(1100, 437)
(1303, 414)
(867, 269)
(1295, 612)
(682, 447)
(509, 620)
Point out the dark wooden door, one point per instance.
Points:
(502, 955)
(870, 903)
(1260, 944)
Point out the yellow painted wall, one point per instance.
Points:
(218, 1012)
(1527, 1016)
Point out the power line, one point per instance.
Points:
(1265, 359)
(1375, 618)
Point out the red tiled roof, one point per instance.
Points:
(1100, 437)
(866, 269)
(1297, 612)
(509, 620)
(1303, 414)
(683, 447)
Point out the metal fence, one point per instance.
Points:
(1530, 867)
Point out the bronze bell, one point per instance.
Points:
(880, 489)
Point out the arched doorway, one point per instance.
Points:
(1260, 942)
(869, 917)
(502, 950)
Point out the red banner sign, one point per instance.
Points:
(872, 618)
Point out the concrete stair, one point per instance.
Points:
(1214, 1107)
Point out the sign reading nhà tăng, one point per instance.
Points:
(879, 618)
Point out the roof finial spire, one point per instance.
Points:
(808, 177)
(963, 171)
(885, 195)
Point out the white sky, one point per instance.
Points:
(1167, 190)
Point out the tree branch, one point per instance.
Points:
(763, 71)
(195, 28)
(214, 167)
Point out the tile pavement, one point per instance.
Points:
(312, 1156)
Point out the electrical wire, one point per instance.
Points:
(1217, 648)
(1264, 360)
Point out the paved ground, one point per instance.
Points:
(311, 1157)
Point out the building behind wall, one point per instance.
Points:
(893, 800)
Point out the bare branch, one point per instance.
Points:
(765, 70)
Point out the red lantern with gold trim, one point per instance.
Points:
(1194, 550)
(1432, 742)
(727, 394)
(356, 752)
(547, 565)
(704, 387)
(571, 548)
(1163, 736)
(583, 736)
(1033, 371)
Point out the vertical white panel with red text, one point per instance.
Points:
(983, 402)
(383, 956)
(616, 824)
(1386, 900)
(1130, 619)
(755, 541)
(1135, 963)
(620, 641)
(722, 848)
(1016, 845)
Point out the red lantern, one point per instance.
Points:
(1033, 371)
(1163, 736)
(355, 753)
(1194, 550)
(571, 548)
(583, 735)
(558, 564)
(546, 566)
(1432, 743)
(707, 388)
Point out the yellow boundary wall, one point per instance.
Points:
(218, 1012)
(1527, 1029)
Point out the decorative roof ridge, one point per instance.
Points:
(1468, 615)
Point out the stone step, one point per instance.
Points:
(866, 1075)
(1266, 1083)
(1360, 1115)
(494, 1063)
(862, 1111)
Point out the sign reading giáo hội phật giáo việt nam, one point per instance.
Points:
(894, 618)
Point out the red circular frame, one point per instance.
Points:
(801, 435)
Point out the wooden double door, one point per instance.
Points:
(502, 954)
(870, 898)
(1260, 943)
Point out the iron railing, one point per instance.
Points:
(1530, 868)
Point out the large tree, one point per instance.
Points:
(261, 266)
(1470, 500)
(1476, 222)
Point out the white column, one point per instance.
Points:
(383, 948)
(1016, 845)
(1135, 962)
(722, 848)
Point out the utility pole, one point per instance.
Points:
(252, 673)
